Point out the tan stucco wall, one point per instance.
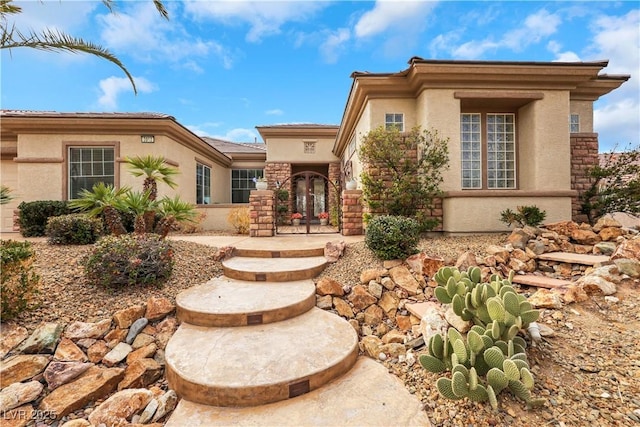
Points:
(585, 110)
(215, 216)
(291, 150)
(482, 214)
(8, 177)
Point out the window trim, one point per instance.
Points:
(66, 145)
(571, 122)
(484, 112)
(388, 124)
(207, 166)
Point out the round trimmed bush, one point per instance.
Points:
(119, 261)
(392, 237)
(73, 229)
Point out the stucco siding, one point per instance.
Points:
(292, 150)
(8, 177)
(585, 110)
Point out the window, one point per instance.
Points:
(499, 168)
(392, 120)
(89, 166)
(574, 123)
(242, 183)
(203, 184)
(309, 147)
(352, 146)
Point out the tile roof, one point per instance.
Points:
(31, 113)
(235, 147)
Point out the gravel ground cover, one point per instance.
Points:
(589, 370)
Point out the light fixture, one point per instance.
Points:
(147, 139)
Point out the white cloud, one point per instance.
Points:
(534, 28)
(389, 14)
(567, 56)
(334, 44)
(144, 34)
(274, 112)
(112, 87)
(263, 18)
(617, 124)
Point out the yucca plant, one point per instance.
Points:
(102, 200)
(154, 169)
(140, 204)
(173, 211)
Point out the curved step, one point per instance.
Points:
(279, 253)
(229, 302)
(254, 365)
(273, 269)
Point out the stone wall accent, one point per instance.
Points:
(334, 192)
(261, 213)
(352, 213)
(281, 173)
(584, 155)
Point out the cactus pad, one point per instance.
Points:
(444, 388)
(442, 295)
(459, 384)
(493, 400)
(529, 316)
(519, 390)
(432, 364)
(479, 394)
(451, 286)
(497, 380)
(511, 370)
(494, 357)
(502, 346)
(473, 379)
(495, 309)
(460, 349)
(527, 378)
(457, 303)
(536, 403)
(511, 303)
(475, 274)
(476, 345)
(520, 341)
(453, 335)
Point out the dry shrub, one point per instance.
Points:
(239, 219)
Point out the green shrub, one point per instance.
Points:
(73, 229)
(118, 261)
(525, 215)
(34, 215)
(18, 281)
(392, 237)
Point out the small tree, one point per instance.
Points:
(615, 185)
(403, 171)
(174, 211)
(103, 200)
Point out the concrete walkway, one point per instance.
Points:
(279, 242)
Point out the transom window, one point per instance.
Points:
(203, 184)
(394, 120)
(574, 123)
(242, 182)
(89, 166)
(495, 143)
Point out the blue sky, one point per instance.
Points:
(223, 67)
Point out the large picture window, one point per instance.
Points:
(89, 166)
(203, 184)
(242, 182)
(492, 137)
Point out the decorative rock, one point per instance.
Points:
(343, 308)
(68, 351)
(166, 403)
(140, 373)
(518, 238)
(115, 336)
(97, 351)
(610, 234)
(390, 263)
(79, 330)
(370, 345)
(118, 354)
(166, 328)
(142, 340)
(158, 308)
(59, 373)
(585, 237)
(78, 422)
(630, 267)
(43, 339)
(17, 417)
(604, 248)
(373, 315)
(361, 298)
(159, 357)
(536, 246)
(597, 285)
(324, 302)
(149, 411)
(125, 318)
(466, 260)
(403, 278)
(147, 351)
(456, 321)
(389, 303)
(11, 334)
(393, 336)
(628, 249)
(329, 286)
(118, 408)
(574, 293)
(403, 322)
(433, 321)
(388, 283)
(224, 253)
(20, 368)
(17, 394)
(135, 329)
(375, 289)
(373, 274)
(95, 384)
(545, 298)
(424, 264)
(606, 221)
(86, 342)
(562, 227)
(334, 250)
(393, 349)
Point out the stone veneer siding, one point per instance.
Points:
(261, 214)
(280, 172)
(584, 156)
(352, 213)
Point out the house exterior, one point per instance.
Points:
(520, 133)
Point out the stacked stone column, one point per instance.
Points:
(352, 213)
(584, 156)
(261, 213)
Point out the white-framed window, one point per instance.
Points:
(89, 166)
(394, 120)
(203, 184)
(488, 150)
(309, 147)
(352, 146)
(574, 123)
(242, 182)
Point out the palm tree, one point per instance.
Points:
(57, 41)
(5, 195)
(103, 200)
(140, 204)
(154, 169)
(172, 212)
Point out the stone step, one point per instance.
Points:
(572, 258)
(229, 302)
(273, 269)
(540, 281)
(279, 253)
(366, 396)
(258, 364)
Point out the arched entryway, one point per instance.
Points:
(307, 202)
